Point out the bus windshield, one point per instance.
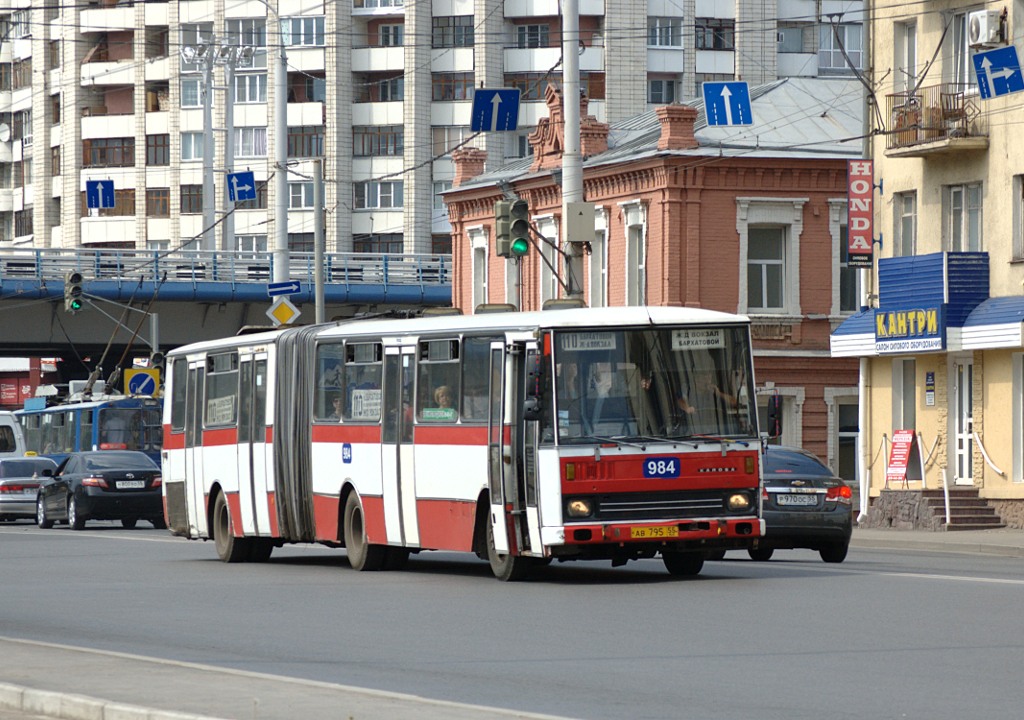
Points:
(670, 383)
(130, 429)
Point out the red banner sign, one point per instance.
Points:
(860, 212)
(899, 455)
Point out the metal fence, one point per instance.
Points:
(45, 264)
(933, 113)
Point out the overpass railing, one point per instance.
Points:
(50, 264)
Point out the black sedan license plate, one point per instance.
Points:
(131, 484)
(794, 499)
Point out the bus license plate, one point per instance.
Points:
(654, 533)
(131, 484)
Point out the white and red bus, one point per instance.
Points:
(572, 434)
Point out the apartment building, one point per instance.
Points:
(942, 346)
(115, 90)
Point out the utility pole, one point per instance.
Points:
(209, 241)
(281, 269)
(318, 237)
(572, 161)
(229, 142)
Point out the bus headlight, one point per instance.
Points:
(579, 508)
(738, 501)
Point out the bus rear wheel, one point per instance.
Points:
(229, 548)
(361, 554)
(506, 567)
(683, 564)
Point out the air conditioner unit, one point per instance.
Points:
(983, 29)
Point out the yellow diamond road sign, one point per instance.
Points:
(282, 311)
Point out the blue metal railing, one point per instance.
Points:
(46, 265)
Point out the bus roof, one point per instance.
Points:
(546, 319)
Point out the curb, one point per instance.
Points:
(80, 707)
(965, 547)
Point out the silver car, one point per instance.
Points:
(20, 478)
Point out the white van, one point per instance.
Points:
(12, 442)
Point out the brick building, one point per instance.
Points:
(739, 219)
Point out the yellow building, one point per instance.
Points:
(941, 336)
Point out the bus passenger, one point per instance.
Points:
(443, 396)
(335, 408)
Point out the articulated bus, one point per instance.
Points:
(109, 422)
(576, 434)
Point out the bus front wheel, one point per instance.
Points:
(506, 567)
(361, 554)
(229, 548)
(683, 564)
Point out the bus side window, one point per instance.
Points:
(330, 382)
(475, 358)
(178, 386)
(438, 387)
(364, 371)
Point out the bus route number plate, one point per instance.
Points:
(661, 467)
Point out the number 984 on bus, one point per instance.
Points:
(661, 467)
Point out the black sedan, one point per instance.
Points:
(20, 478)
(120, 485)
(805, 506)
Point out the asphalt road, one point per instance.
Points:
(887, 634)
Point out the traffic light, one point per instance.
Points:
(520, 228)
(502, 223)
(73, 291)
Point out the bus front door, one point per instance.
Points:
(252, 444)
(397, 468)
(195, 483)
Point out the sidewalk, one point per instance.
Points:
(1007, 542)
(137, 688)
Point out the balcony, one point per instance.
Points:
(934, 120)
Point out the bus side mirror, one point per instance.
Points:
(774, 416)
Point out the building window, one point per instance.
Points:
(305, 141)
(158, 202)
(250, 142)
(191, 92)
(23, 222)
(451, 86)
(378, 195)
(108, 152)
(54, 109)
(124, 205)
(251, 244)
(961, 71)
(766, 264)
(833, 40)
(371, 87)
(599, 263)
(191, 146)
(532, 36)
(962, 217)
(300, 195)
(20, 24)
(849, 277)
(303, 31)
(158, 149)
(55, 160)
(5, 76)
(664, 31)
(260, 203)
(795, 37)
(391, 35)
(441, 245)
(660, 91)
(905, 75)
(248, 32)
(379, 244)
(378, 140)
(307, 88)
(517, 144)
(441, 186)
(191, 199)
(905, 224)
(904, 394)
(636, 254)
(1018, 217)
(193, 36)
(452, 31)
(478, 247)
(53, 55)
(21, 74)
(251, 88)
(448, 137)
(715, 34)
(769, 231)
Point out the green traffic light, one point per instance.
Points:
(520, 247)
(75, 304)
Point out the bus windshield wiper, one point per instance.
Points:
(619, 440)
(698, 437)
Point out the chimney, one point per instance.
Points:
(469, 163)
(677, 127)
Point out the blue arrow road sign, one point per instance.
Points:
(727, 103)
(99, 194)
(287, 287)
(142, 384)
(495, 110)
(998, 72)
(241, 186)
